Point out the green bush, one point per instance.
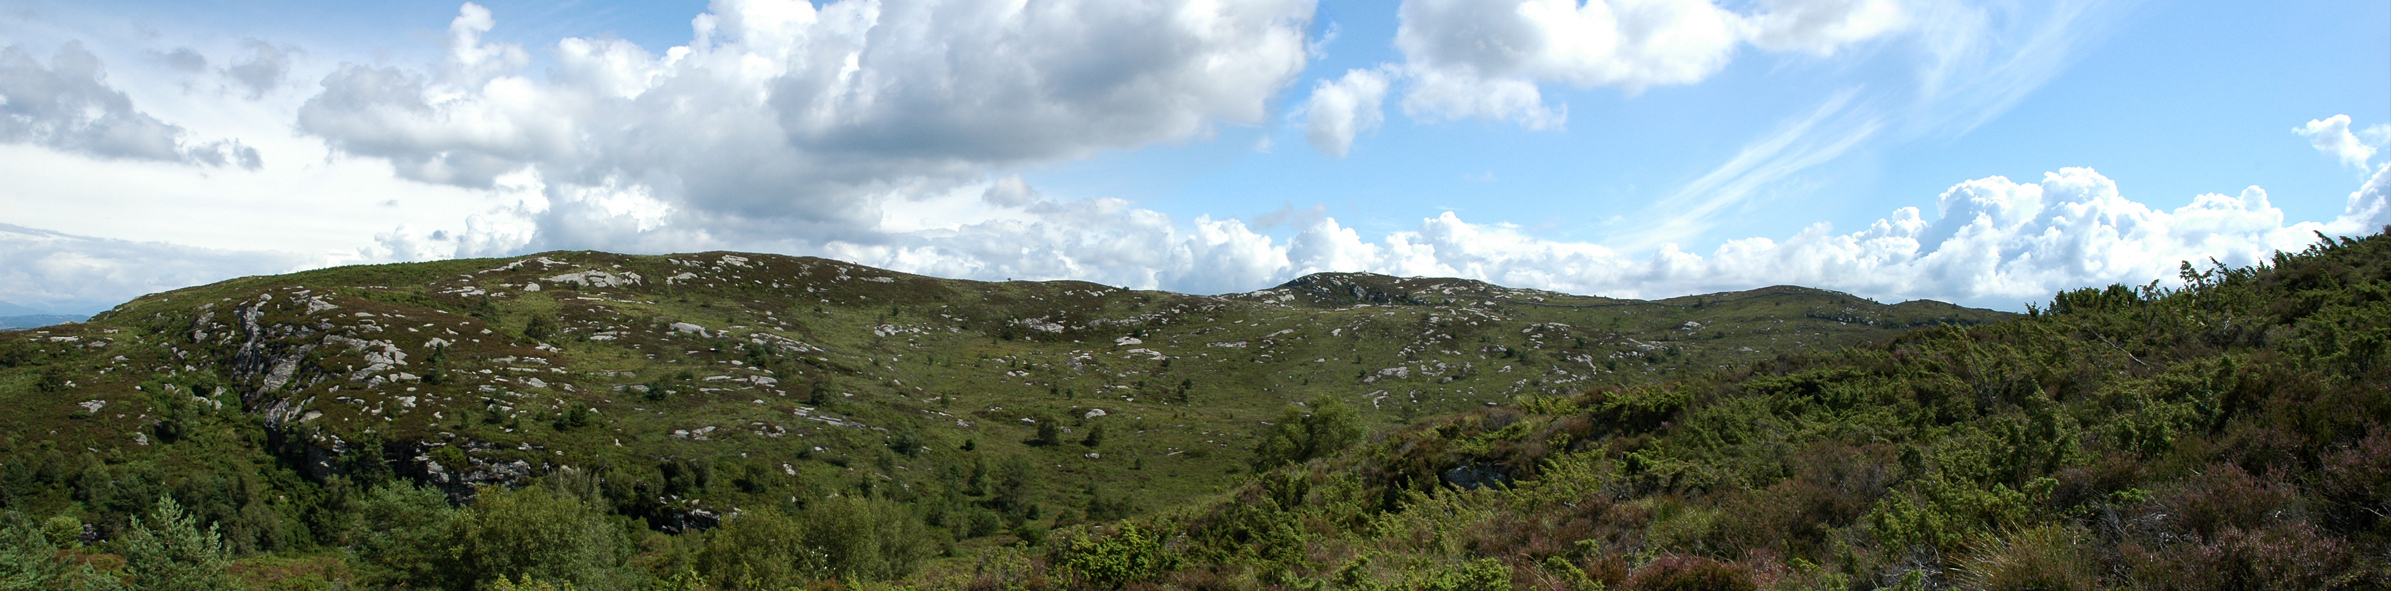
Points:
(30, 560)
(1049, 432)
(1299, 436)
(1110, 562)
(531, 531)
(759, 549)
(540, 327)
(394, 533)
(1477, 575)
(870, 539)
(54, 377)
(835, 538)
(528, 583)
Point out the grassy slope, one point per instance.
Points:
(715, 381)
(2230, 435)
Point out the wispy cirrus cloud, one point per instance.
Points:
(1978, 61)
(1981, 59)
(1836, 127)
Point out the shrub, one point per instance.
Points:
(2280, 556)
(1113, 561)
(54, 377)
(2224, 496)
(531, 531)
(1691, 573)
(436, 367)
(1476, 575)
(1009, 490)
(30, 560)
(2357, 483)
(870, 539)
(528, 583)
(758, 549)
(905, 440)
(540, 327)
(1049, 432)
(15, 353)
(2040, 559)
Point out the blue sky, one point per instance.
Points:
(1985, 153)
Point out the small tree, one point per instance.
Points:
(1299, 436)
(1049, 433)
(30, 560)
(395, 532)
(540, 327)
(1011, 485)
(168, 553)
(1095, 436)
(759, 549)
(1103, 507)
(437, 372)
(864, 538)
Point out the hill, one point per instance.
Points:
(2230, 434)
(683, 388)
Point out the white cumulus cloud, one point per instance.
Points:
(1487, 58)
(2332, 136)
(782, 119)
(1343, 108)
(1990, 242)
(1987, 242)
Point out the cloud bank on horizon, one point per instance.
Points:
(894, 133)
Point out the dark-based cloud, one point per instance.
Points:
(262, 70)
(67, 104)
(789, 119)
(183, 59)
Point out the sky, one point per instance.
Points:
(1987, 153)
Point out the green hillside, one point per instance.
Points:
(655, 395)
(2226, 435)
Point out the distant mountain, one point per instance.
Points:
(37, 320)
(8, 309)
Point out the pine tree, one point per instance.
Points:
(168, 553)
